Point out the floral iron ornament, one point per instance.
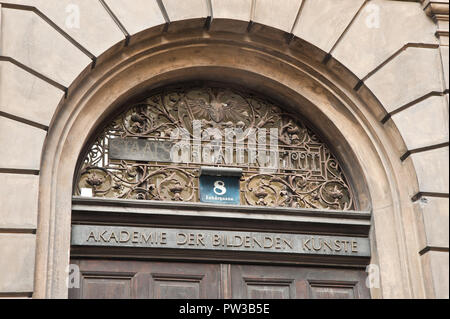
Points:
(307, 175)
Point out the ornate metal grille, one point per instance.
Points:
(306, 174)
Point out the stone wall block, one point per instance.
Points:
(323, 21)
(19, 201)
(425, 123)
(434, 213)
(137, 15)
(381, 29)
(276, 15)
(21, 145)
(432, 170)
(17, 253)
(33, 42)
(232, 9)
(412, 74)
(183, 10)
(445, 65)
(24, 95)
(86, 21)
(436, 263)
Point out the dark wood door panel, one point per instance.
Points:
(266, 282)
(114, 279)
(106, 288)
(328, 291)
(276, 289)
(184, 281)
(248, 281)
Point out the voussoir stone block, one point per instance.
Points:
(27, 96)
(412, 74)
(17, 253)
(183, 10)
(86, 21)
(21, 145)
(277, 14)
(19, 201)
(232, 9)
(432, 170)
(323, 21)
(33, 42)
(424, 123)
(381, 29)
(137, 15)
(434, 213)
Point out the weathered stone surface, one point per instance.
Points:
(363, 52)
(21, 145)
(90, 235)
(277, 15)
(181, 10)
(434, 213)
(86, 21)
(17, 262)
(19, 201)
(445, 64)
(323, 21)
(382, 28)
(425, 123)
(137, 16)
(432, 170)
(24, 95)
(436, 263)
(34, 43)
(412, 74)
(232, 9)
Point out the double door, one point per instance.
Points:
(181, 280)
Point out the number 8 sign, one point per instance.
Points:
(219, 188)
(223, 190)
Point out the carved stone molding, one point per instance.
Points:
(436, 9)
(439, 11)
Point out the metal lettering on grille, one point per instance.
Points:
(131, 157)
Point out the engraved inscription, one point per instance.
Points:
(131, 157)
(84, 235)
(139, 150)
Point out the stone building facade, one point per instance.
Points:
(371, 78)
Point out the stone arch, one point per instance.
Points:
(276, 43)
(84, 113)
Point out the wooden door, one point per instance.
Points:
(267, 282)
(114, 279)
(110, 279)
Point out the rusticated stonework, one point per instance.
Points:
(302, 171)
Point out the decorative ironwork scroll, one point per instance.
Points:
(302, 174)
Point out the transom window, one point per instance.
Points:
(154, 149)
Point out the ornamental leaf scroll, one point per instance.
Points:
(307, 175)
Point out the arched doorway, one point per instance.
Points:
(295, 81)
(203, 178)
